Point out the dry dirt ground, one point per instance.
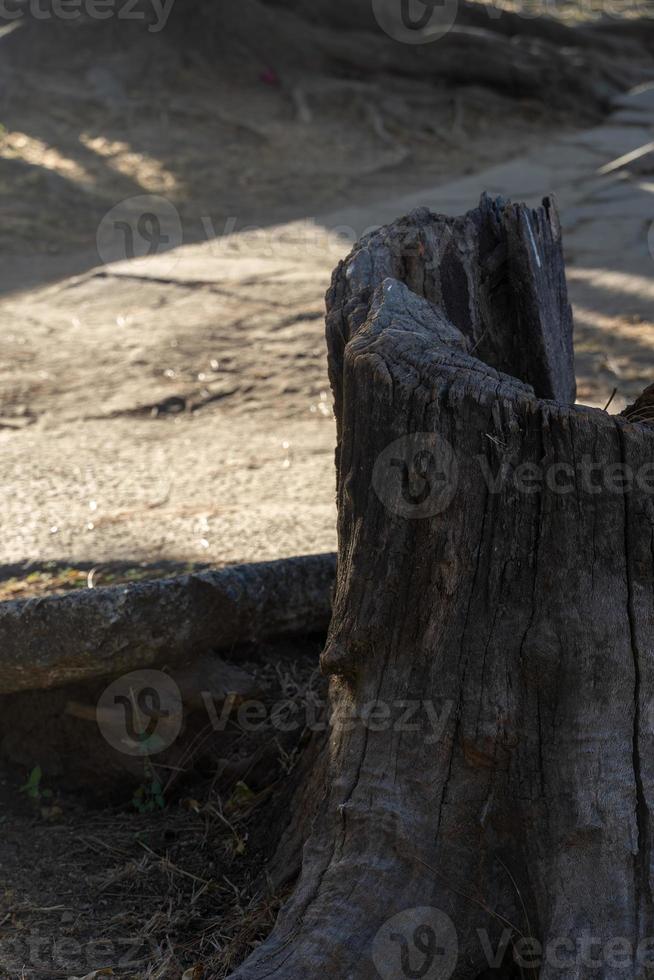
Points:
(181, 412)
(164, 412)
(156, 418)
(150, 874)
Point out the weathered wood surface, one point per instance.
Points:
(516, 600)
(497, 272)
(48, 642)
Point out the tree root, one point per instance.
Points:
(58, 640)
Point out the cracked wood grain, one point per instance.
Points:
(521, 609)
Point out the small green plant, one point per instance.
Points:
(149, 796)
(32, 787)
(242, 798)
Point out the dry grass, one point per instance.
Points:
(150, 891)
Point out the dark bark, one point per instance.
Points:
(515, 602)
(497, 273)
(57, 640)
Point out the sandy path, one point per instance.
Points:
(177, 406)
(170, 419)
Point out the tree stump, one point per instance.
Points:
(490, 771)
